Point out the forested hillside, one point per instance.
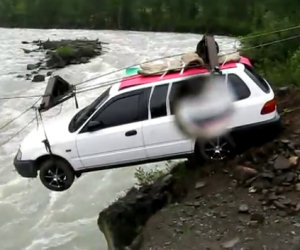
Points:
(220, 16)
(229, 17)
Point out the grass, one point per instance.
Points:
(65, 51)
(148, 177)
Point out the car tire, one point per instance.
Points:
(56, 174)
(216, 149)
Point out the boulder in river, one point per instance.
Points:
(38, 78)
(59, 54)
(33, 66)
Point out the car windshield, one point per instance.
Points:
(85, 113)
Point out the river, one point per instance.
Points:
(32, 217)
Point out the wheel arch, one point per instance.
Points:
(44, 158)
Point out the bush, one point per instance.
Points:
(294, 65)
(65, 51)
(278, 63)
(148, 177)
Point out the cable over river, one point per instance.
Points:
(32, 217)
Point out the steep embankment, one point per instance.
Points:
(245, 202)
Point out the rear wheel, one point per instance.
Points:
(217, 149)
(56, 175)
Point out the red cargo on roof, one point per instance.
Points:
(137, 80)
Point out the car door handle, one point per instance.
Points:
(131, 133)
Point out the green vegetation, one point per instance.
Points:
(65, 51)
(147, 177)
(279, 62)
(234, 17)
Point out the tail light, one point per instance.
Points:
(269, 107)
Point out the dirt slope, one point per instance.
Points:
(250, 202)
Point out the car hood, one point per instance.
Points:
(56, 129)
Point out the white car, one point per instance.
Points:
(133, 122)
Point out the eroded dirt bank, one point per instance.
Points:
(249, 202)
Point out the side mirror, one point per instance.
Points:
(94, 125)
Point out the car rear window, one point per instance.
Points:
(240, 89)
(158, 101)
(260, 82)
(184, 87)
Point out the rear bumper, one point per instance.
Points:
(258, 133)
(25, 168)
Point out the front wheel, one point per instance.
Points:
(217, 149)
(56, 175)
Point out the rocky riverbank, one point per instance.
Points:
(59, 54)
(249, 202)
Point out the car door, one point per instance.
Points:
(118, 140)
(161, 134)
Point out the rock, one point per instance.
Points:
(252, 190)
(49, 73)
(279, 190)
(55, 61)
(250, 181)
(20, 76)
(244, 209)
(257, 217)
(285, 141)
(28, 76)
(243, 173)
(200, 184)
(223, 215)
(32, 66)
(272, 197)
(27, 51)
(231, 243)
(290, 177)
(297, 152)
(285, 201)
(281, 163)
(196, 204)
(25, 42)
(279, 205)
(84, 60)
(279, 179)
(38, 78)
(283, 214)
(294, 160)
(297, 187)
(296, 208)
(122, 221)
(268, 175)
(283, 91)
(261, 184)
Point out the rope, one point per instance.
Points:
(20, 131)
(119, 70)
(273, 42)
(17, 117)
(21, 97)
(269, 33)
(117, 80)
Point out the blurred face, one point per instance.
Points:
(205, 111)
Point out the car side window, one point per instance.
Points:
(183, 87)
(240, 89)
(121, 111)
(124, 109)
(158, 101)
